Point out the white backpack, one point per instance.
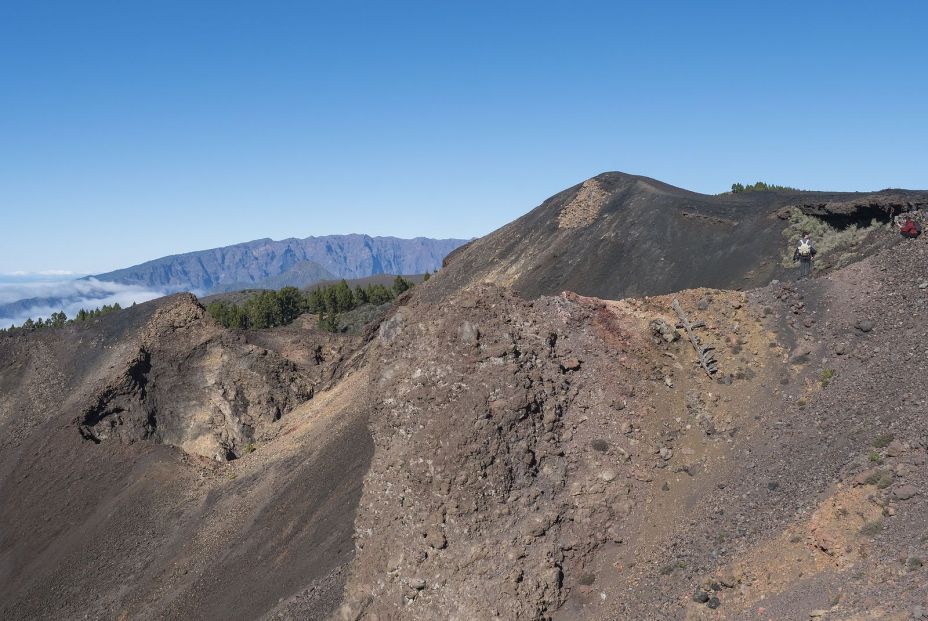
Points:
(805, 248)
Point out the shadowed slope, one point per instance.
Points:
(618, 235)
(103, 518)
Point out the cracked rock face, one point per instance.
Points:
(193, 386)
(489, 379)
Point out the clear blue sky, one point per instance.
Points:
(130, 130)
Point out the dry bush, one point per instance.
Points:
(837, 245)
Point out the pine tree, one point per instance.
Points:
(237, 318)
(263, 310)
(378, 294)
(400, 285)
(328, 321)
(344, 300)
(59, 319)
(291, 304)
(315, 301)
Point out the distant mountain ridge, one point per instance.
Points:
(302, 274)
(299, 262)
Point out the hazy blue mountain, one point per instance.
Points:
(260, 264)
(302, 274)
(266, 263)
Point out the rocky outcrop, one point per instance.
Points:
(192, 385)
(888, 202)
(478, 504)
(566, 457)
(584, 207)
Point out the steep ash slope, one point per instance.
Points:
(115, 497)
(618, 235)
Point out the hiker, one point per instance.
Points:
(910, 228)
(805, 252)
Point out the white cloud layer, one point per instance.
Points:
(42, 276)
(21, 299)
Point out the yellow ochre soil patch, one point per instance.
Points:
(830, 540)
(584, 207)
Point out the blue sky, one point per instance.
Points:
(130, 130)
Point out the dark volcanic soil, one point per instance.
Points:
(122, 524)
(618, 235)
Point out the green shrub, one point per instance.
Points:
(882, 440)
(267, 309)
(829, 240)
(328, 321)
(871, 529)
(760, 186)
(60, 319)
(400, 285)
(881, 478)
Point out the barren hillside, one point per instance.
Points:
(562, 458)
(154, 465)
(502, 445)
(618, 235)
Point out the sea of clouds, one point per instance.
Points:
(34, 295)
